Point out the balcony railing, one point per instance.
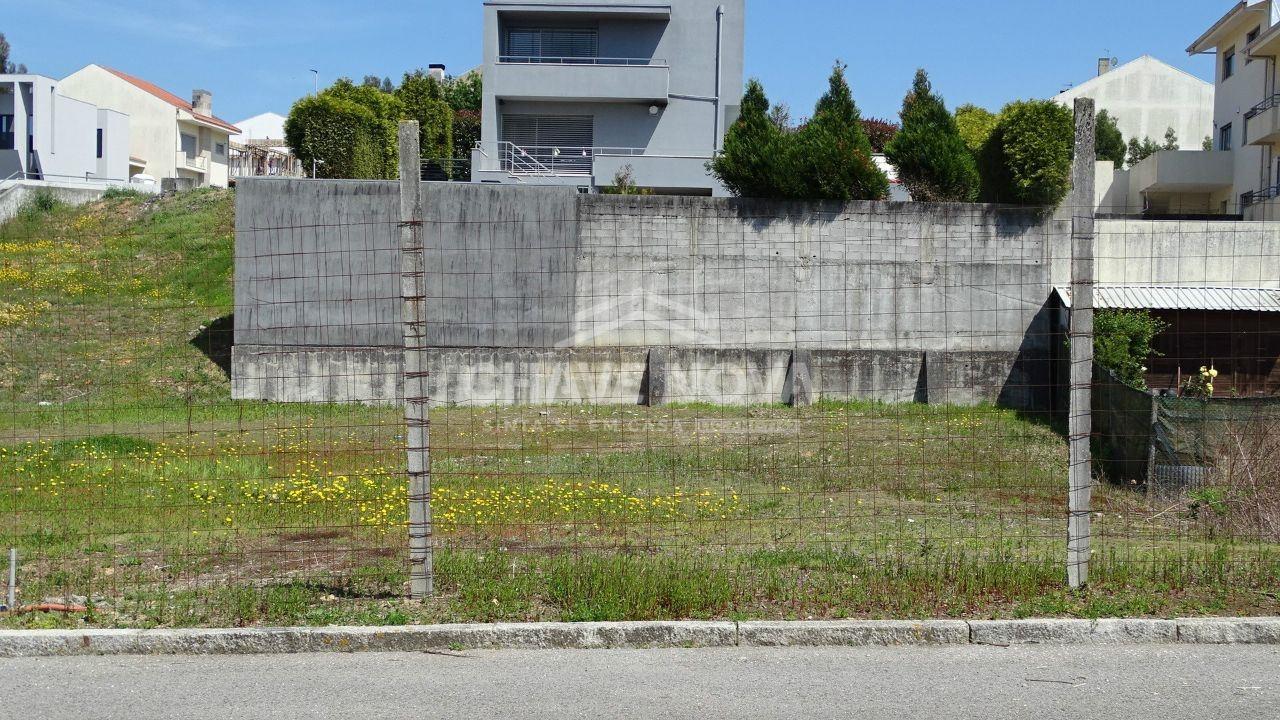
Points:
(193, 162)
(539, 60)
(1257, 196)
(553, 160)
(1265, 105)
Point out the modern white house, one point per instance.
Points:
(259, 149)
(1146, 97)
(169, 137)
(1240, 176)
(577, 91)
(47, 136)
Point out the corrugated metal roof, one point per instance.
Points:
(1169, 297)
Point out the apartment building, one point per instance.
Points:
(169, 137)
(1240, 176)
(577, 92)
(47, 136)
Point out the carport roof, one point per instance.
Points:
(1172, 297)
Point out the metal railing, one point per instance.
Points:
(544, 60)
(1270, 102)
(1256, 196)
(556, 159)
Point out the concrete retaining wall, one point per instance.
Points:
(15, 194)
(543, 295)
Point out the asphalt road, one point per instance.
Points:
(1165, 682)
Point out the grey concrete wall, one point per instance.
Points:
(626, 376)
(317, 263)
(1188, 253)
(535, 293)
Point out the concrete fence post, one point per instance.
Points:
(416, 400)
(1082, 281)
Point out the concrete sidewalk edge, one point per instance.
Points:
(636, 635)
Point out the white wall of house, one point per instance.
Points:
(156, 127)
(113, 163)
(1147, 97)
(61, 133)
(1247, 85)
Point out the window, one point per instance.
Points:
(189, 145)
(532, 44)
(99, 143)
(220, 149)
(6, 132)
(1253, 35)
(1228, 63)
(1224, 138)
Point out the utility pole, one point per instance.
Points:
(1079, 530)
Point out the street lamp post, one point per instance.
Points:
(314, 164)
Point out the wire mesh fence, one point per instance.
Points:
(635, 407)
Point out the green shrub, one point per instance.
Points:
(975, 125)
(41, 202)
(122, 193)
(1122, 343)
(931, 157)
(338, 137)
(1027, 158)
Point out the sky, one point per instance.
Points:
(256, 57)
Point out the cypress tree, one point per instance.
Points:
(831, 155)
(752, 163)
(931, 157)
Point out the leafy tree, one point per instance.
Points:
(465, 92)
(1122, 343)
(831, 155)
(423, 100)
(879, 132)
(1140, 150)
(753, 163)
(976, 125)
(466, 131)
(1027, 159)
(933, 162)
(5, 65)
(1207, 145)
(1170, 140)
(1109, 141)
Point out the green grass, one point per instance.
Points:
(131, 480)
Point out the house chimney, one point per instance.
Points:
(1106, 65)
(436, 71)
(202, 102)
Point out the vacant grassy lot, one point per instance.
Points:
(131, 482)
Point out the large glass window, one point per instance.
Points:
(1224, 138)
(1228, 63)
(551, 44)
(6, 132)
